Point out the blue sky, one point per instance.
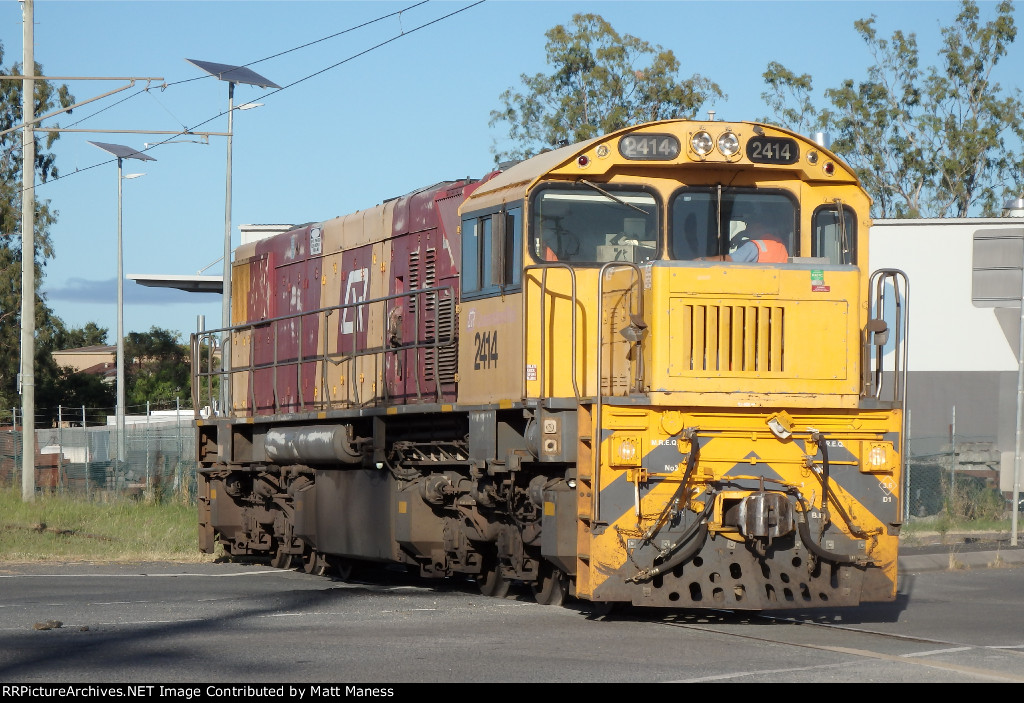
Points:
(366, 124)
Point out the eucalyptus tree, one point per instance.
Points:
(600, 81)
(940, 141)
(157, 369)
(48, 326)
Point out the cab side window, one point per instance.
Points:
(834, 237)
(492, 255)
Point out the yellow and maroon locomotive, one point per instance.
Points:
(647, 368)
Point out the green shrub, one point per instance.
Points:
(972, 500)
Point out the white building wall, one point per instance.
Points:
(962, 358)
(947, 331)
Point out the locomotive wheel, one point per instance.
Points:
(491, 581)
(313, 562)
(552, 586)
(605, 609)
(339, 567)
(280, 559)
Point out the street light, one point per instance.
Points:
(122, 153)
(231, 74)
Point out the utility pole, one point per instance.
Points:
(28, 260)
(232, 75)
(26, 375)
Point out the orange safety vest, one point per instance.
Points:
(771, 251)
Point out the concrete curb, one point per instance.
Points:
(954, 560)
(958, 550)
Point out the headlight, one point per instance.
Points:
(702, 143)
(728, 144)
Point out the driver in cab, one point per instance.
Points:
(765, 243)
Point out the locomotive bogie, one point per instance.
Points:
(432, 521)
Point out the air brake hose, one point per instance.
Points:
(689, 433)
(826, 489)
(812, 544)
(695, 537)
(822, 443)
(696, 542)
(818, 551)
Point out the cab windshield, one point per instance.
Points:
(587, 223)
(709, 222)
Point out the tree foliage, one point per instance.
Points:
(49, 328)
(156, 368)
(66, 391)
(158, 371)
(599, 83)
(61, 390)
(936, 142)
(89, 336)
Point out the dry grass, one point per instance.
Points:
(61, 528)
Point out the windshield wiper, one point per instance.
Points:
(608, 195)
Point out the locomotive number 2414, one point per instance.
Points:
(486, 355)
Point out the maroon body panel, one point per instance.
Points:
(423, 258)
(294, 287)
(421, 357)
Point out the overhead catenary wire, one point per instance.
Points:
(346, 60)
(185, 132)
(165, 86)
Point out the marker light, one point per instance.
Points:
(626, 451)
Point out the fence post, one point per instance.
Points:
(952, 463)
(88, 450)
(15, 473)
(906, 467)
(179, 478)
(149, 479)
(60, 448)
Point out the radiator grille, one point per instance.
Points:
(728, 338)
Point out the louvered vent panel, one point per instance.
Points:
(414, 282)
(448, 356)
(728, 338)
(438, 317)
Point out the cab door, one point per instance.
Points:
(490, 315)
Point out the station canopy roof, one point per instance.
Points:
(191, 284)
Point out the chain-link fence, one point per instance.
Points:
(159, 459)
(955, 478)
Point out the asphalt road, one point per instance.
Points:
(238, 624)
